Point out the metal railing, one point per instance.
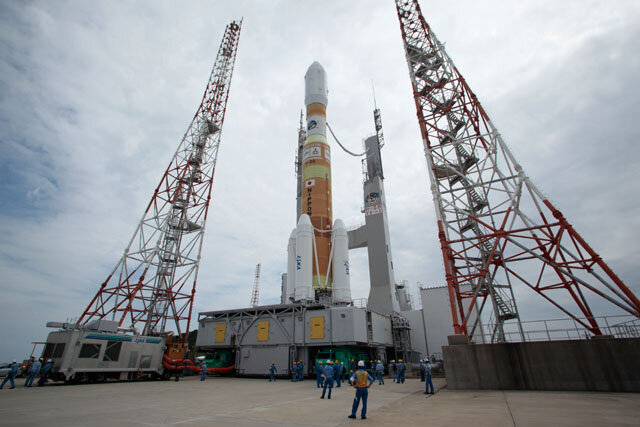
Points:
(623, 326)
(360, 302)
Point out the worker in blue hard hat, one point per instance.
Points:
(328, 378)
(319, 372)
(361, 380)
(272, 371)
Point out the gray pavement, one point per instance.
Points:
(256, 402)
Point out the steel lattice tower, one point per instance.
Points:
(496, 229)
(255, 295)
(155, 280)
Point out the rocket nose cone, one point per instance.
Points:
(315, 66)
(304, 220)
(338, 223)
(315, 85)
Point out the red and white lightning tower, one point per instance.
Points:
(496, 229)
(155, 280)
(255, 295)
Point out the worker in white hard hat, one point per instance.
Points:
(401, 368)
(44, 374)
(328, 378)
(13, 371)
(361, 380)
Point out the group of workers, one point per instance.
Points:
(34, 369)
(297, 371)
(334, 372)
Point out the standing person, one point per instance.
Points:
(33, 371)
(336, 373)
(328, 379)
(352, 367)
(343, 371)
(13, 371)
(272, 371)
(319, 374)
(294, 371)
(401, 368)
(429, 383)
(379, 370)
(300, 370)
(44, 375)
(421, 370)
(394, 369)
(203, 372)
(361, 380)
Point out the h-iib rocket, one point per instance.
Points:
(318, 255)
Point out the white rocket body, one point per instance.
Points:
(300, 255)
(304, 260)
(340, 264)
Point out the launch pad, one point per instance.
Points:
(317, 314)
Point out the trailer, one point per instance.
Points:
(100, 350)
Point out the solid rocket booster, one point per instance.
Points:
(304, 260)
(316, 173)
(340, 266)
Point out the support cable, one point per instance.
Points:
(342, 146)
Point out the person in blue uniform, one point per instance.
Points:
(421, 370)
(328, 379)
(44, 375)
(337, 373)
(394, 369)
(203, 372)
(361, 380)
(319, 372)
(272, 371)
(13, 371)
(294, 371)
(401, 369)
(379, 371)
(33, 371)
(429, 383)
(300, 370)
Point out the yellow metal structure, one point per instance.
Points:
(263, 330)
(317, 327)
(221, 331)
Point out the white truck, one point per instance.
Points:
(100, 350)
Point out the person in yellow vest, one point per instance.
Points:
(361, 380)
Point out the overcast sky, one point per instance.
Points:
(95, 97)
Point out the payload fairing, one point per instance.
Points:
(318, 255)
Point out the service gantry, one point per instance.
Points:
(155, 280)
(496, 228)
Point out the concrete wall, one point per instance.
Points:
(438, 322)
(587, 365)
(417, 333)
